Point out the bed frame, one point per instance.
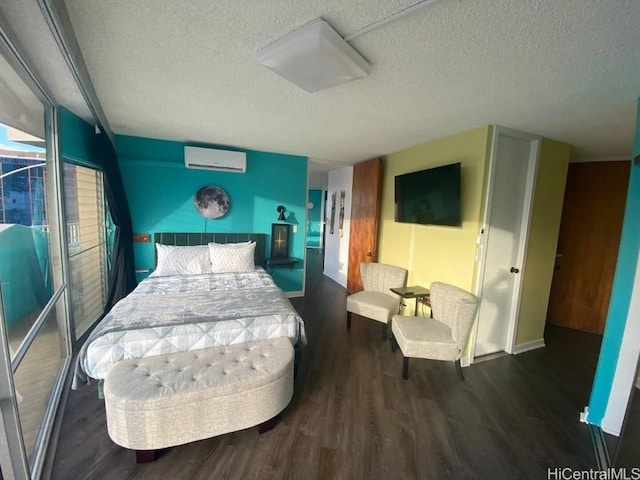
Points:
(189, 239)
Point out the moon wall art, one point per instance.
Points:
(211, 202)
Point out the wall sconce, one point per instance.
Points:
(281, 211)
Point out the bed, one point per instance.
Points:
(183, 307)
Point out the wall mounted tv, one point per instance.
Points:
(429, 197)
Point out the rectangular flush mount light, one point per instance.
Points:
(314, 57)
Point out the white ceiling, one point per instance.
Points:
(565, 69)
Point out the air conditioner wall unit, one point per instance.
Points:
(214, 159)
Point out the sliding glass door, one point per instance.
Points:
(53, 267)
(33, 291)
(86, 240)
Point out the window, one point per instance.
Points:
(53, 255)
(86, 238)
(33, 292)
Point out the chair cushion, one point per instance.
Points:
(454, 307)
(375, 305)
(420, 337)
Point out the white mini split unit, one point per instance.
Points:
(213, 159)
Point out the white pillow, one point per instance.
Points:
(182, 260)
(233, 245)
(232, 257)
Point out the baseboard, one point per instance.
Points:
(297, 294)
(525, 347)
(465, 361)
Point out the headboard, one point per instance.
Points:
(188, 239)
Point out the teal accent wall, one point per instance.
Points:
(77, 140)
(160, 190)
(620, 295)
(314, 218)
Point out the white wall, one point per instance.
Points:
(625, 375)
(318, 179)
(336, 250)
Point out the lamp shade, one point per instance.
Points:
(281, 209)
(314, 57)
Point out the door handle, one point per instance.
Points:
(371, 254)
(514, 270)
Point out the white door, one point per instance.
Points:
(514, 157)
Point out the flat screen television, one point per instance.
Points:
(429, 197)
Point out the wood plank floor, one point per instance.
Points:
(353, 417)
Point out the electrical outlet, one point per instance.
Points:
(141, 237)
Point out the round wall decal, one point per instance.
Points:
(211, 202)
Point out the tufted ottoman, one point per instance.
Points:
(167, 400)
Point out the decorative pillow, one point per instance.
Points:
(182, 260)
(233, 245)
(232, 257)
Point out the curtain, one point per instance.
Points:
(79, 144)
(122, 278)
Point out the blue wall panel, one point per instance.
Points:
(620, 295)
(160, 190)
(315, 221)
(78, 141)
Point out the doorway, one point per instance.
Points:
(365, 215)
(588, 244)
(503, 238)
(315, 216)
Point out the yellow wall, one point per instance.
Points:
(543, 239)
(447, 254)
(432, 252)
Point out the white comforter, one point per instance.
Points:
(182, 313)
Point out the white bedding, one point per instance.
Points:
(169, 314)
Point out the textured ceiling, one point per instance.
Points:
(568, 70)
(33, 34)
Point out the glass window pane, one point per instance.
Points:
(35, 376)
(31, 266)
(86, 235)
(87, 288)
(25, 262)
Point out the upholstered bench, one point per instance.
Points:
(168, 400)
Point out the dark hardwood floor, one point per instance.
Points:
(353, 417)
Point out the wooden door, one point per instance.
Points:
(365, 211)
(588, 244)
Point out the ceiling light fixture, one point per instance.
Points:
(314, 57)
